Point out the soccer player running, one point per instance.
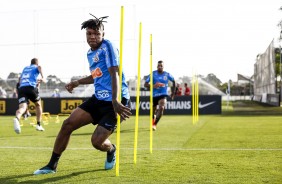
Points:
(28, 91)
(160, 84)
(102, 108)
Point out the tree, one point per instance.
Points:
(12, 80)
(223, 87)
(213, 80)
(52, 82)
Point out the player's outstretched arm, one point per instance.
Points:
(73, 84)
(41, 74)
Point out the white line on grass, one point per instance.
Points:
(161, 149)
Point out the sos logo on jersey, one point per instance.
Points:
(102, 94)
(97, 72)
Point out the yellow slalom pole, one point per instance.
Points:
(151, 93)
(120, 91)
(137, 95)
(197, 101)
(197, 98)
(193, 99)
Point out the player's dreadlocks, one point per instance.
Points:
(95, 24)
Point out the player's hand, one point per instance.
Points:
(122, 110)
(70, 86)
(155, 86)
(40, 80)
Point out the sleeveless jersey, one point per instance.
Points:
(29, 76)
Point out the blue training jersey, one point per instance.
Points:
(29, 76)
(162, 79)
(100, 60)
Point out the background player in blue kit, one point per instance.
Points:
(160, 84)
(102, 108)
(28, 90)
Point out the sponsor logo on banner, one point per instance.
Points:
(205, 105)
(2, 107)
(67, 106)
(208, 104)
(173, 105)
(32, 107)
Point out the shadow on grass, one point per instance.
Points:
(52, 178)
(122, 131)
(133, 130)
(13, 179)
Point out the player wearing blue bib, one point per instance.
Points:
(102, 108)
(28, 91)
(160, 92)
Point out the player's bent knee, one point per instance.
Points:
(97, 145)
(21, 110)
(67, 126)
(162, 108)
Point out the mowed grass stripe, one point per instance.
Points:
(219, 149)
(156, 149)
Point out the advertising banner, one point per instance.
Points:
(181, 105)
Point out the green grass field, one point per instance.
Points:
(219, 149)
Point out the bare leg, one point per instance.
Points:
(100, 139)
(154, 114)
(21, 110)
(160, 110)
(101, 142)
(38, 111)
(77, 119)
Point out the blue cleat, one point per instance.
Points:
(111, 160)
(44, 170)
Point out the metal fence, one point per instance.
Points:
(264, 72)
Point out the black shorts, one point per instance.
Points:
(102, 112)
(28, 93)
(157, 99)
